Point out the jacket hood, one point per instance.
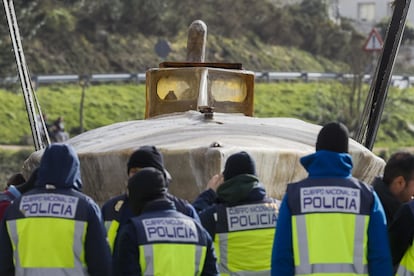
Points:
(325, 163)
(60, 167)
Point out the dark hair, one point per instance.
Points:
(400, 164)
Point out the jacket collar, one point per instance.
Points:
(324, 164)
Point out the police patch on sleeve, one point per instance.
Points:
(253, 216)
(49, 205)
(170, 229)
(330, 199)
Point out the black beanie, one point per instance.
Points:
(146, 156)
(239, 163)
(333, 137)
(146, 185)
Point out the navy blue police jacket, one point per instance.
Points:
(56, 196)
(127, 252)
(117, 208)
(208, 216)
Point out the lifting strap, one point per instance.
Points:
(32, 104)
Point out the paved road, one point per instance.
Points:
(17, 147)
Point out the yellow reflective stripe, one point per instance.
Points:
(107, 224)
(79, 242)
(402, 271)
(11, 229)
(146, 256)
(221, 244)
(300, 244)
(361, 244)
(62, 239)
(172, 259)
(112, 231)
(344, 237)
(247, 273)
(407, 263)
(200, 258)
(236, 250)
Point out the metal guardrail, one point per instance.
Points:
(396, 80)
(399, 81)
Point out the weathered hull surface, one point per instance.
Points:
(195, 149)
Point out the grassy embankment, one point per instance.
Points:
(106, 104)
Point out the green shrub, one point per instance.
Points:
(315, 102)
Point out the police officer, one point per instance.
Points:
(401, 234)
(242, 221)
(54, 229)
(17, 186)
(116, 210)
(159, 240)
(330, 222)
(396, 186)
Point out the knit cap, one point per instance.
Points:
(239, 163)
(146, 156)
(333, 137)
(146, 185)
